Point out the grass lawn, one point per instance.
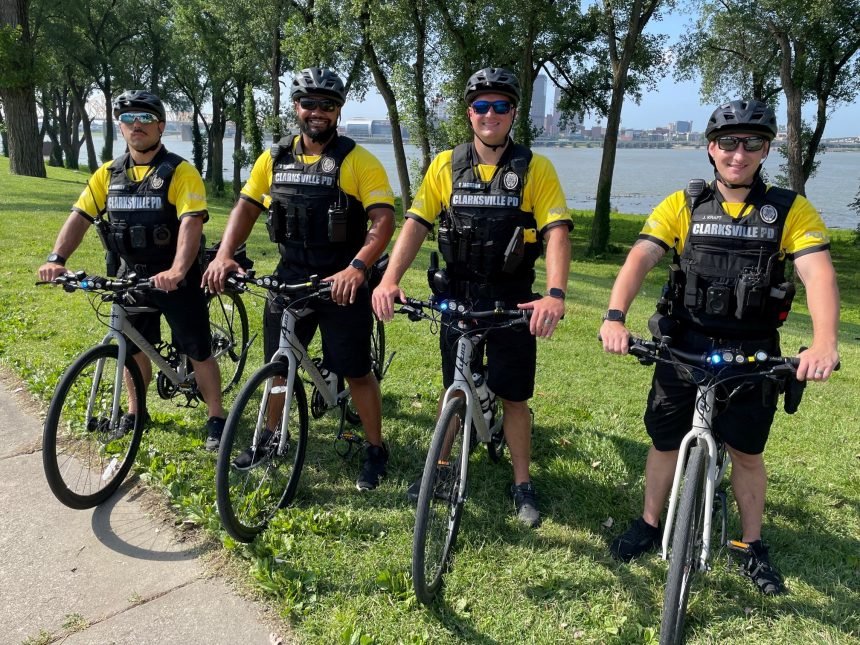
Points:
(336, 563)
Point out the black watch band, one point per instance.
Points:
(555, 292)
(615, 315)
(358, 264)
(56, 258)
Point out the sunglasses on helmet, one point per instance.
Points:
(326, 105)
(499, 107)
(145, 118)
(751, 144)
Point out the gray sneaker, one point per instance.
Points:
(525, 501)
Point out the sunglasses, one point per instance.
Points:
(499, 107)
(326, 105)
(145, 118)
(751, 144)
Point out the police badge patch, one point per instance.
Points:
(511, 180)
(327, 164)
(156, 182)
(768, 214)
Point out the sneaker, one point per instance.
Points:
(214, 430)
(252, 457)
(444, 481)
(126, 425)
(373, 470)
(756, 566)
(639, 538)
(525, 501)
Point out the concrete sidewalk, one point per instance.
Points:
(114, 574)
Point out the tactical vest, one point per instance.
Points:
(482, 235)
(141, 226)
(730, 278)
(314, 223)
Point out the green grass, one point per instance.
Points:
(336, 563)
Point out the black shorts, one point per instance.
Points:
(185, 310)
(744, 424)
(511, 357)
(345, 332)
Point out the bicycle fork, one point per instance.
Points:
(699, 434)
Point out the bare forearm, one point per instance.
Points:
(378, 235)
(188, 243)
(405, 249)
(71, 234)
(822, 298)
(239, 226)
(557, 258)
(643, 257)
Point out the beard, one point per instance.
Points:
(317, 136)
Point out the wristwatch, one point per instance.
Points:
(555, 292)
(615, 315)
(56, 258)
(358, 264)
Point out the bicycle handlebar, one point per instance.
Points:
(311, 288)
(461, 310)
(80, 280)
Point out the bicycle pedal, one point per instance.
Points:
(738, 546)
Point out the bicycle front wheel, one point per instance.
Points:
(85, 454)
(437, 519)
(228, 323)
(253, 483)
(686, 545)
(377, 348)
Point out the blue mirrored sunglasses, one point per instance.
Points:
(499, 107)
(145, 118)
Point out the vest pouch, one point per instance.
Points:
(781, 297)
(276, 224)
(118, 237)
(337, 224)
(692, 294)
(112, 263)
(137, 236)
(793, 394)
(750, 293)
(445, 238)
(515, 251)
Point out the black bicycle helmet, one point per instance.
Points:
(493, 79)
(139, 101)
(320, 81)
(742, 116)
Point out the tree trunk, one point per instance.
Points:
(275, 75)
(216, 142)
(19, 98)
(422, 134)
(108, 131)
(4, 140)
(197, 148)
(600, 227)
(237, 140)
(79, 103)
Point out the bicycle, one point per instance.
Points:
(702, 464)
(84, 453)
(263, 447)
(469, 416)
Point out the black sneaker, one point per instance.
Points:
(373, 470)
(214, 430)
(252, 457)
(755, 565)
(444, 482)
(639, 538)
(126, 425)
(525, 501)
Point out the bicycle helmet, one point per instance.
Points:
(319, 81)
(492, 79)
(742, 116)
(139, 101)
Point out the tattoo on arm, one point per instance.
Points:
(652, 251)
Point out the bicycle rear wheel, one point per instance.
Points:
(251, 485)
(437, 519)
(228, 323)
(377, 348)
(83, 453)
(686, 545)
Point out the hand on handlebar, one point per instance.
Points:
(168, 280)
(50, 271)
(216, 274)
(344, 285)
(615, 337)
(546, 314)
(383, 299)
(817, 363)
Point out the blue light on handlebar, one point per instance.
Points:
(86, 284)
(443, 306)
(716, 359)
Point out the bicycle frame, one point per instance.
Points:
(700, 433)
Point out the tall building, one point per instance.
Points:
(538, 106)
(683, 127)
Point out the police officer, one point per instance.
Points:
(490, 196)
(324, 189)
(149, 206)
(727, 287)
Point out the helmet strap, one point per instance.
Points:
(728, 184)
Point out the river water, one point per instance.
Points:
(643, 177)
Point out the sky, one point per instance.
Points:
(672, 101)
